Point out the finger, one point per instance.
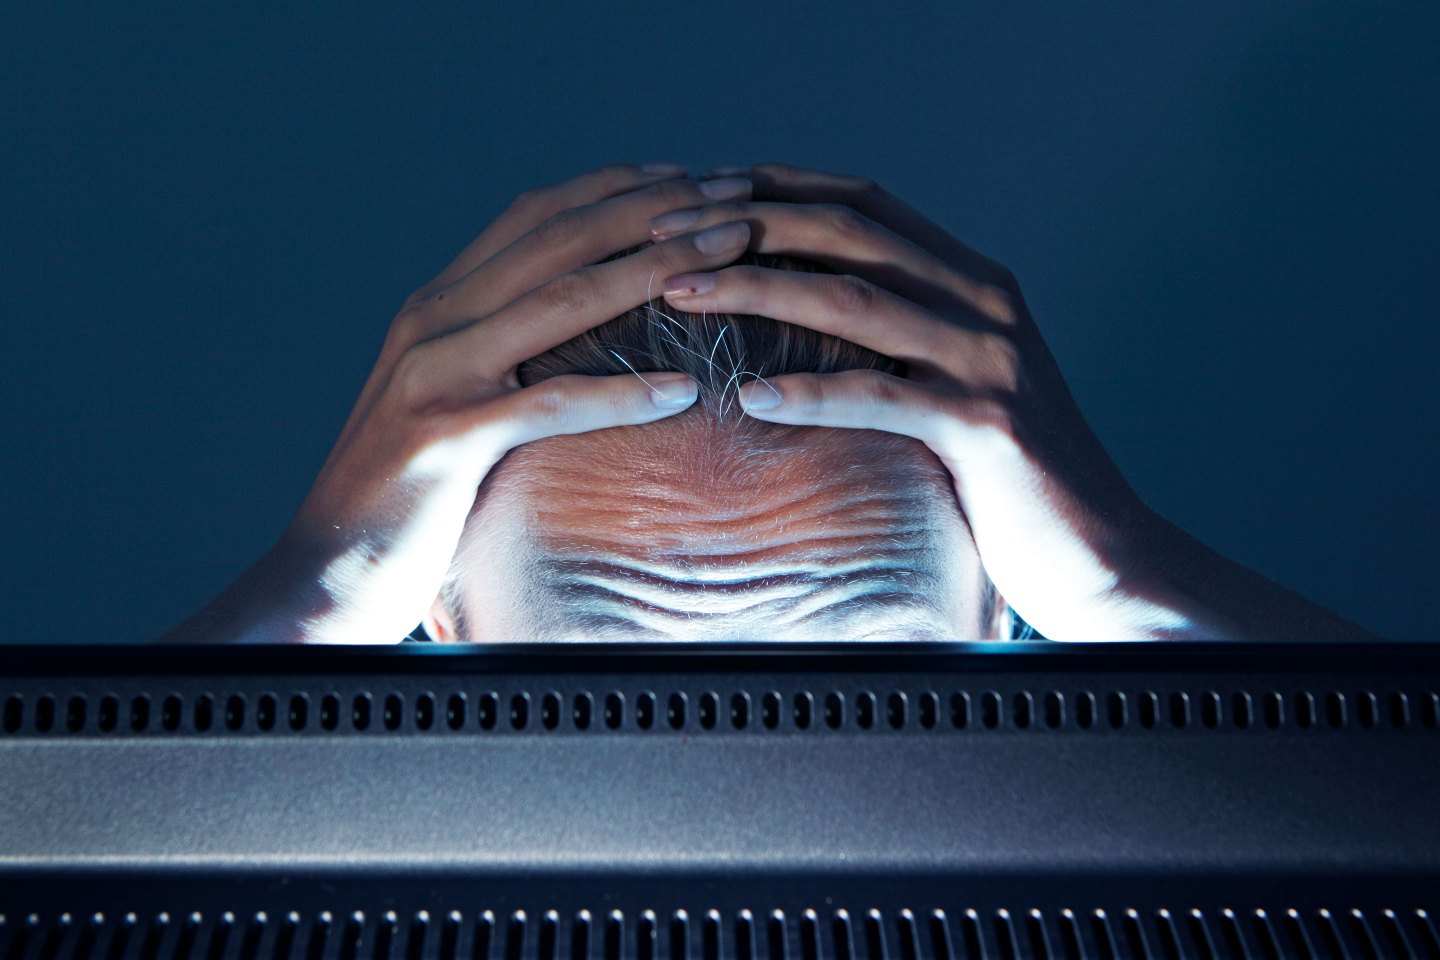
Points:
(857, 310)
(789, 184)
(572, 403)
(502, 278)
(574, 302)
(871, 400)
(846, 239)
(534, 206)
(571, 238)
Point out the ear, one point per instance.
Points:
(439, 624)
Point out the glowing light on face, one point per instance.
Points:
(836, 545)
(713, 524)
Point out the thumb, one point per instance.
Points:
(856, 400)
(573, 403)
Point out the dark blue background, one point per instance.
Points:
(1224, 216)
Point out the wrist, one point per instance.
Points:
(1155, 597)
(275, 601)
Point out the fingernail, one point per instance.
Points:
(726, 189)
(673, 390)
(674, 222)
(727, 236)
(759, 396)
(690, 285)
(665, 169)
(723, 172)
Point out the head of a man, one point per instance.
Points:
(711, 524)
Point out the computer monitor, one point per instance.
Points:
(898, 800)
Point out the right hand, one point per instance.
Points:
(370, 545)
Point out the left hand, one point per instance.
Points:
(1060, 532)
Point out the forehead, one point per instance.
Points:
(830, 535)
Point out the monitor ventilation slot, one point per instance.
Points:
(449, 712)
(871, 934)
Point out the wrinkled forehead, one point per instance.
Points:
(835, 535)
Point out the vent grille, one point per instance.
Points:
(425, 711)
(1001, 934)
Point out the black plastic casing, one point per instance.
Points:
(745, 800)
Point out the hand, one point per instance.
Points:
(1060, 532)
(367, 551)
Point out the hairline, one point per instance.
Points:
(892, 466)
(650, 343)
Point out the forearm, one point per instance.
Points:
(264, 605)
(1187, 591)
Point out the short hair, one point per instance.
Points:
(723, 351)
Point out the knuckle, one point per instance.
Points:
(747, 288)
(414, 320)
(850, 295)
(567, 293)
(805, 393)
(677, 193)
(864, 186)
(675, 255)
(846, 220)
(882, 390)
(726, 210)
(528, 200)
(412, 380)
(551, 402)
(772, 169)
(1001, 305)
(999, 362)
(872, 392)
(992, 416)
(559, 229)
(992, 273)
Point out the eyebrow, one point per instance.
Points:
(590, 596)
(898, 609)
(879, 578)
(908, 626)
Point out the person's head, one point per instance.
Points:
(710, 524)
